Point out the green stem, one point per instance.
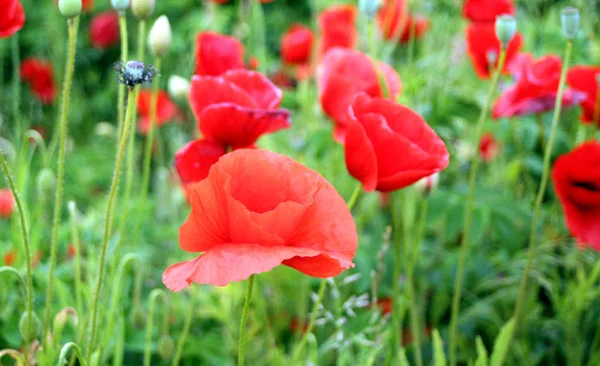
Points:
(184, 333)
(124, 58)
(62, 358)
(313, 318)
(242, 340)
(397, 312)
(16, 86)
(258, 30)
(354, 197)
(77, 257)
(469, 211)
(70, 67)
(538, 201)
(540, 123)
(153, 296)
(109, 213)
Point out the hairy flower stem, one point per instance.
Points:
(538, 201)
(25, 239)
(242, 340)
(124, 58)
(469, 210)
(16, 86)
(64, 110)
(109, 218)
(154, 295)
(184, 333)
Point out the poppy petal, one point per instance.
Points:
(206, 90)
(360, 155)
(266, 95)
(194, 160)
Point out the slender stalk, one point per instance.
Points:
(153, 297)
(354, 198)
(124, 58)
(540, 123)
(61, 170)
(77, 257)
(258, 32)
(184, 333)
(397, 313)
(24, 238)
(242, 341)
(16, 86)
(109, 217)
(469, 211)
(313, 318)
(539, 198)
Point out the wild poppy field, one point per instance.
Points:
(324, 182)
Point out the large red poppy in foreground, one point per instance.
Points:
(257, 210)
(12, 17)
(389, 146)
(576, 177)
(484, 49)
(487, 10)
(585, 80)
(217, 53)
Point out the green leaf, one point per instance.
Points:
(482, 355)
(501, 344)
(439, 357)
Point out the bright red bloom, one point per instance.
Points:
(337, 26)
(166, 110)
(535, 90)
(12, 17)
(39, 74)
(104, 30)
(217, 53)
(484, 49)
(10, 258)
(7, 203)
(488, 147)
(585, 80)
(297, 44)
(576, 177)
(343, 73)
(257, 210)
(396, 22)
(194, 160)
(253, 63)
(487, 10)
(389, 146)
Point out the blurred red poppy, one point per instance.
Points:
(217, 53)
(226, 1)
(12, 17)
(337, 26)
(10, 258)
(389, 146)
(484, 49)
(396, 22)
(253, 63)
(7, 203)
(576, 177)
(342, 74)
(585, 79)
(39, 74)
(257, 210)
(535, 90)
(236, 108)
(488, 147)
(487, 10)
(166, 110)
(296, 44)
(104, 30)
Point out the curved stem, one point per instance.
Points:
(62, 358)
(108, 222)
(153, 296)
(242, 340)
(539, 198)
(61, 171)
(24, 237)
(184, 333)
(313, 319)
(354, 197)
(469, 210)
(124, 58)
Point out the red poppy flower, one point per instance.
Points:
(104, 29)
(576, 177)
(10, 258)
(296, 44)
(195, 159)
(253, 63)
(39, 74)
(236, 108)
(166, 110)
(217, 53)
(337, 28)
(484, 49)
(7, 203)
(389, 146)
(344, 73)
(257, 210)
(487, 10)
(535, 90)
(12, 17)
(585, 80)
(396, 22)
(488, 147)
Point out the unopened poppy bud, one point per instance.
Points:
(179, 88)
(30, 326)
(428, 184)
(46, 183)
(105, 129)
(165, 346)
(61, 319)
(69, 8)
(160, 36)
(506, 28)
(142, 9)
(369, 7)
(492, 57)
(138, 318)
(570, 21)
(120, 5)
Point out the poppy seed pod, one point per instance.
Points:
(142, 9)
(570, 21)
(120, 5)
(506, 28)
(46, 183)
(369, 7)
(179, 88)
(30, 332)
(166, 345)
(69, 8)
(160, 36)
